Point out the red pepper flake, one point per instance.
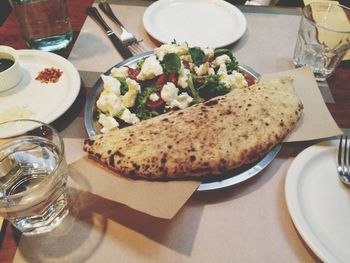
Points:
(49, 75)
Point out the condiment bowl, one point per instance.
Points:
(9, 76)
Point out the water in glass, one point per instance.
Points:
(33, 178)
(45, 24)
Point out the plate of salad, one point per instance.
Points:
(170, 78)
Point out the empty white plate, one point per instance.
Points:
(205, 23)
(319, 203)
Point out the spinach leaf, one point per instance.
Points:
(123, 86)
(198, 55)
(140, 63)
(212, 87)
(232, 65)
(193, 91)
(141, 111)
(222, 51)
(171, 63)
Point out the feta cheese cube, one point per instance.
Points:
(169, 92)
(128, 99)
(154, 97)
(109, 103)
(222, 71)
(129, 117)
(182, 101)
(202, 69)
(108, 123)
(234, 80)
(208, 52)
(223, 59)
(182, 80)
(111, 84)
(150, 69)
(121, 72)
(179, 49)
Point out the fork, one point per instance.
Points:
(126, 37)
(344, 160)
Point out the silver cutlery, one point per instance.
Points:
(344, 160)
(126, 37)
(95, 15)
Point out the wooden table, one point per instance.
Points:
(10, 35)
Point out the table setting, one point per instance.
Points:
(289, 203)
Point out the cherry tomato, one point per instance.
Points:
(132, 73)
(172, 77)
(162, 79)
(200, 81)
(249, 80)
(154, 105)
(186, 64)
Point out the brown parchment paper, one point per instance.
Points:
(160, 199)
(316, 121)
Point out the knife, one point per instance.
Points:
(95, 15)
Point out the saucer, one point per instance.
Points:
(33, 99)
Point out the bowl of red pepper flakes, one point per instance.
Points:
(49, 75)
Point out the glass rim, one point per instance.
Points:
(330, 3)
(60, 157)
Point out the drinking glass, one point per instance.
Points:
(33, 176)
(323, 37)
(45, 24)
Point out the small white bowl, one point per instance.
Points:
(10, 77)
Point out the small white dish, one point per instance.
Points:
(319, 204)
(204, 23)
(32, 99)
(11, 76)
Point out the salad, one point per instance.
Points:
(176, 76)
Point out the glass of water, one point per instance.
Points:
(45, 24)
(323, 37)
(33, 176)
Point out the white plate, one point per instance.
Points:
(35, 100)
(205, 23)
(319, 204)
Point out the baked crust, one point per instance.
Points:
(208, 138)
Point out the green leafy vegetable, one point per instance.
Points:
(222, 51)
(171, 63)
(212, 87)
(198, 55)
(232, 65)
(140, 62)
(123, 85)
(141, 111)
(193, 91)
